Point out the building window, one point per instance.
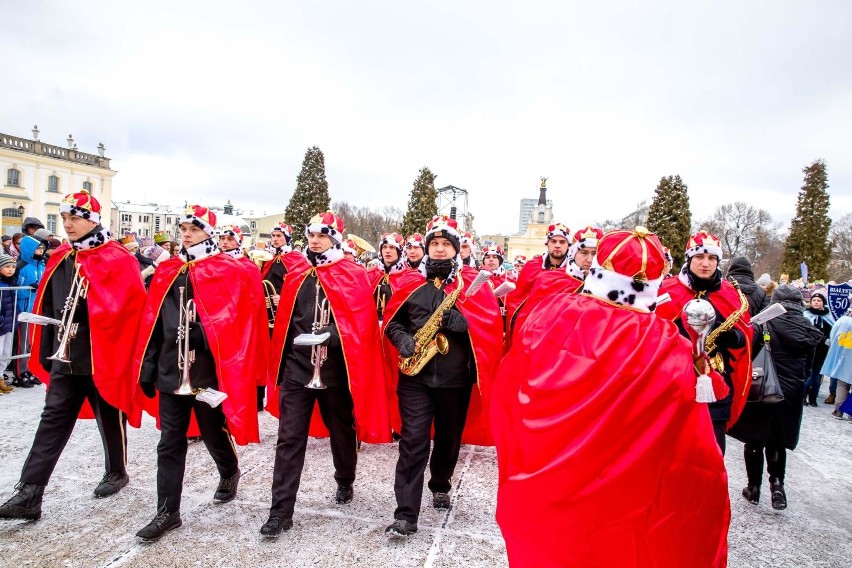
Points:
(156, 223)
(126, 218)
(12, 212)
(146, 219)
(51, 222)
(541, 216)
(87, 185)
(53, 184)
(13, 177)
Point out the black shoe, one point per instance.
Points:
(440, 500)
(35, 380)
(401, 528)
(813, 403)
(752, 493)
(344, 494)
(227, 489)
(24, 504)
(111, 484)
(274, 525)
(779, 497)
(162, 523)
(22, 382)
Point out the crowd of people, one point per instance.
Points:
(591, 367)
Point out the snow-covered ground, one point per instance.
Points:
(78, 530)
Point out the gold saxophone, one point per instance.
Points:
(427, 341)
(717, 362)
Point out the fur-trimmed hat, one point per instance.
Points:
(466, 238)
(493, 250)
(445, 227)
(201, 217)
(520, 259)
(703, 242)
(285, 229)
(349, 247)
(628, 269)
(585, 238)
(232, 231)
(558, 230)
(81, 204)
(393, 239)
(415, 240)
(326, 223)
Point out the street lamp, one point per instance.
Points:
(21, 210)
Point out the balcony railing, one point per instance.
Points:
(41, 149)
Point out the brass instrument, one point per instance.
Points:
(427, 341)
(268, 293)
(259, 256)
(716, 361)
(361, 245)
(319, 353)
(186, 356)
(67, 328)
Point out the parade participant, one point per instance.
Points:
(604, 457)
(414, 250)
(188, 354)
(520, 261)
(582, 251)
(94, 287)
(393, 273)
(273, 271)
(438, 391)
(162, 239)
(323, 294)
(492, 260)
(468, 258)
(700, 277)
(350, 251)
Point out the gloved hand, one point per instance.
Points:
(729, 339)
(333, 337)
(149, 270)
(197, 337)
(405, 345)
(454, 321)
(148, 389)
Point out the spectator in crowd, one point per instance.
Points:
(764, 281)
(819, 315)
(32, 253)
(838, 362)
(15, 245)
(31, 225)
(7, 316)
(772, 429)
(7, 241)
(740, 270)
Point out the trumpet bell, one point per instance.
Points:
(361, 245)
(259, 256)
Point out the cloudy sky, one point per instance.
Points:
(208, 101)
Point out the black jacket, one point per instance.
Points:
(740, 270)
(457, 367)
(80, 346)
(792, 339)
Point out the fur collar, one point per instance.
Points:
(198, 251)
(97, 237)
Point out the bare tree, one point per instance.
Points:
(740, 227)
(367, 223)
(840, 266)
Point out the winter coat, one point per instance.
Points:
(7, 307)
(740, 270)
(792, 339)
(823, 322)
(30, 274)
(838, 362)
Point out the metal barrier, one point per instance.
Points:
(16, 289)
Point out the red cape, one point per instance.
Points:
(486, 330)
(351, 300)
(115, 300)
(604, 457)
(261, 345)
(224, 299)
(727, 301)
(547, 284)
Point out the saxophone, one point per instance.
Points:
(427, 341)
(717, 362)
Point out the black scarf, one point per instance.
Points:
(698, 284)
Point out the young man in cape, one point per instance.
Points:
(604, 457)
(468, 258)
(93, 284)
(415, 249)
(274, 271)
(700, 277)
(393, 273)
(441, 392)
(351, 397)
(196, 340)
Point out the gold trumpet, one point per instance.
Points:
(361, 245)
(268, 293)
(259, 256)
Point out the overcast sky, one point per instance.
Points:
(208, 101)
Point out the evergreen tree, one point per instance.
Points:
(422, 204)
(311, 195)
(809, 230)
(669, 217)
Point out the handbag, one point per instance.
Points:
(765, 386)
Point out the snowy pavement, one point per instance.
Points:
(78, 530)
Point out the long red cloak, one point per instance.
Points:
(604, 457)
(727, 301)
(548, 283)
(258, 295)
(350, 297)
(486, 329)
(223, 295)
(115, 300)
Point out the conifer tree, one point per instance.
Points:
(669, 216)
(809, 230)
(311, 194)
(422, 204)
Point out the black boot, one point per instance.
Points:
(163, 522)
(227, 489)
(779, 497)
(752, 493)
(344, 494)
(25, 504)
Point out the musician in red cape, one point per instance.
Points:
(604, 457)
(393, 274)
(557, 240)
(415, 249)
(274, 270)
(441, 392)
(467, 246)
(351, 401)
(94, 380)
(174, 344)
(700, 277)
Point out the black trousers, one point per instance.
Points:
(297, 404)
(719, 429)
(62, 404)
(419, 407)
(175, 412)
(776, 462)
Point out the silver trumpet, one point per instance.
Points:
(319, 352)
(186, 356)
(67, 328)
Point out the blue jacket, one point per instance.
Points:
(838, 362)
(7, 308)
(30, 274)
